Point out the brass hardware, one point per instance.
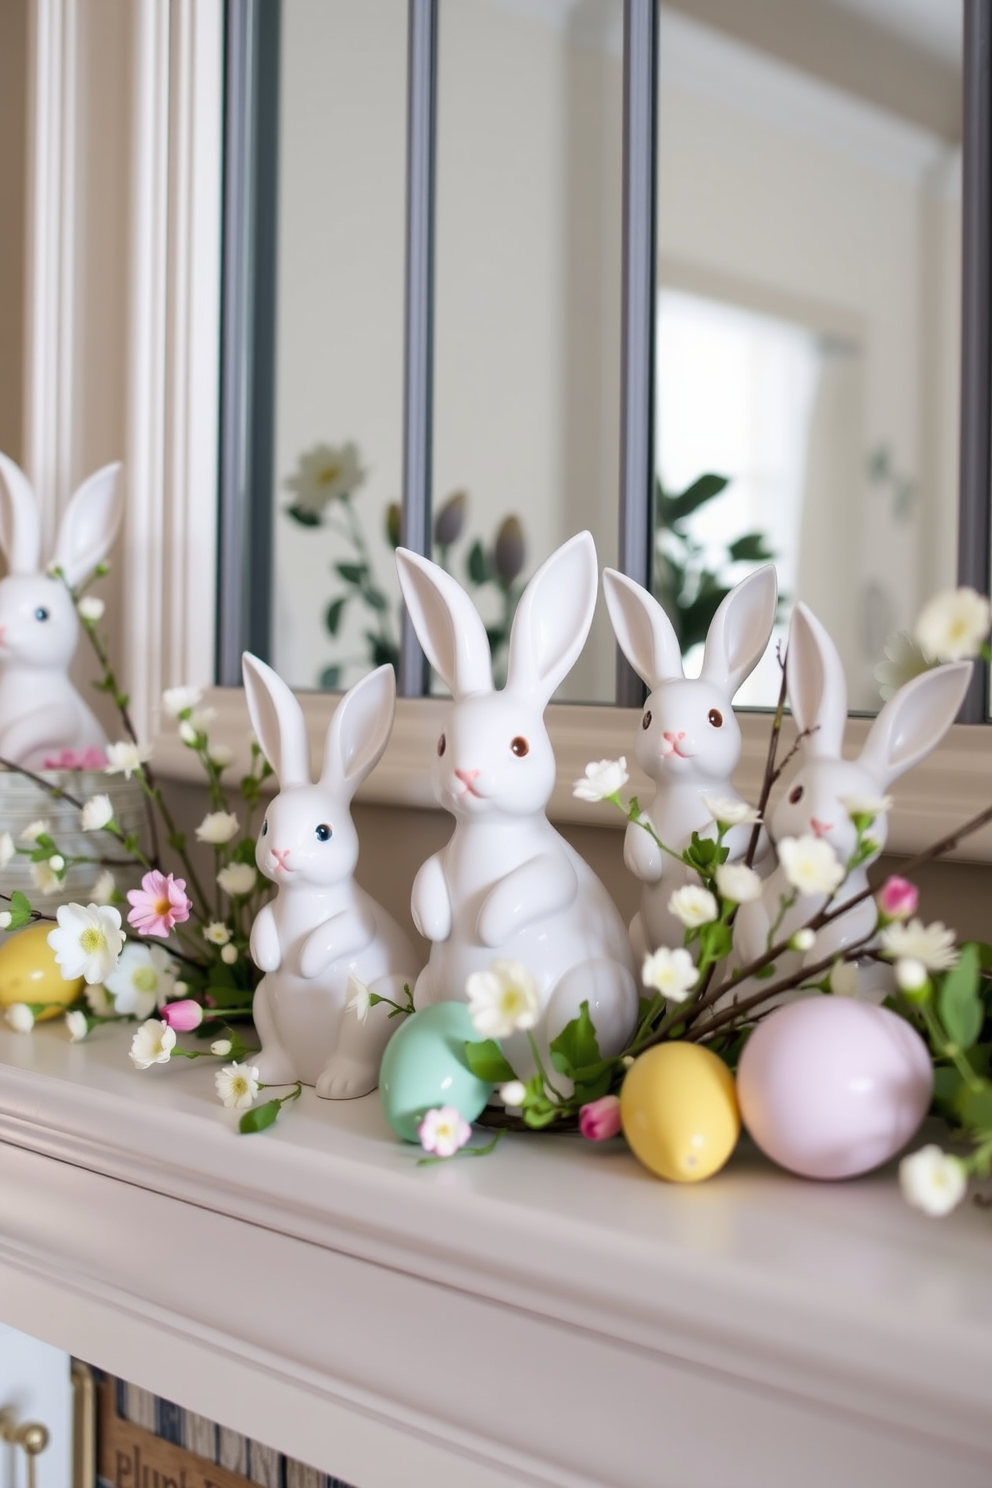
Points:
(83, 1425)
(32, 1437)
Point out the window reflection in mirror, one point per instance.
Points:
(808, 314)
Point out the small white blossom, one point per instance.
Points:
(237, 879)
(217, 933)
(503, 999)
(153, 1044)
(513, 1093)
(105, 888)
(45, 878)
(87, 942)
(202, 719)
(176, 700)
(672, 973)
(359, 998)
(904, 661)
(603, 779)
(179, 989)
(5, 919)
(188, 733)
(126, 758)
(34, 830)
(953, 625)
(229, 954)
(932, 945)
(220, 755)
(803, 940)
(7, 849)
(143, 979)
(866, 805)
(444, 1131)
(20, 1017)
(932, 1180)
(325, 473)
(221, 1047)
(101, 1004)
(738, 883)
(729, 812)
(96, 813)
(217, 827)
(237, 1085)
(56, 862)
(845, 979)
(692, 906)
(78, 1026)
(911, 975)
(91, 608)
(810, 864)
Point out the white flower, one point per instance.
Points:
(911, 975)
(176, 700)
(91, 608)
(217, 933)
(932, 945)
(845, 979)
(220, 755)
(738, 883)
(5, 919)
(326, 473)
(229, 954)
(125, 758)
(105, 888)
(443, 1131)
(20, 1017)
(904, 661)
(513, 1093)
(803, 940)
(503, 999)
(179, 989)
(100, 1001)
(87, 941)
(202, 719)
(692, 905)
(932, 1180)
(237, 879)
(221, 1047)
(78, 1026)
(96, 813)
(144, 978)
(237, 1085)
(729, 812)
(602, 779)
(672, 973)
(56, 862)
(810, 864)
(153, 1043)
(45, 878)
(188, 733)
(866, 805)
(359, 998)
(7, 849)
(953, 624)
(217, 827)
(33, 831)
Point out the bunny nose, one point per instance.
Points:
(467, 776)
(280, 854)
(673, 738)
(820, 829)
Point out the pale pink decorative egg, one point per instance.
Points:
(830, 1087)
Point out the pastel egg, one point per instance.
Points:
(425, 1066)
(830, 1087)
(30, 973)
(679, 1111)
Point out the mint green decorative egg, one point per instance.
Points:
(424, 1067)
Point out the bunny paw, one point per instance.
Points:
(345, 1080)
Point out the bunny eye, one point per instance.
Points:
(441, 744)
(715, 717)
(520, 746)
(41, 613)
(265, 827)
(322, 833)
(796, 794)
(646, 720)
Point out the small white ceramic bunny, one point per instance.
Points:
(689, 741)
(41, 713)
(507, 885)
(321, 928)
(814, 803)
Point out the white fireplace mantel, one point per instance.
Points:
(549, 1314)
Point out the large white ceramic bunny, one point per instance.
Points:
(41, 713)
(321, 928)
(817, 800)
(689, 741)
(507, 885)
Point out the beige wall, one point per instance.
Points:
(13, 184)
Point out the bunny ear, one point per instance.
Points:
(20, 521)
(644, 632)
(447, 623)
(278, 721)
(817, 685)
(359, 730)
(914, 721)
(89, 527)
(553, 619)
(740, 629)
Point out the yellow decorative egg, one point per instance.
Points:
(30, 973)
(679, 1111)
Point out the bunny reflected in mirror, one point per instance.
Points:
(322, 929)
(689, 741)
(508, 886)
(41, 713)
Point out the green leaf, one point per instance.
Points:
(716, 940)
(20, 910)
(477, 565)
(766, 973)
(958, 1001)
(259, 1117)
(592, 1089)
(576, 1047)
(330, 679)
(304, 517)
(374, 598)
(676, 508)
(245, 851)
(749, 549)
(384, 653)
(333, 613)
(946, 1084)
(352, 573)
(486, 1059)
(973, 1108)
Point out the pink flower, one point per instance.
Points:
(160, 903)
(443, 1131)
(182, 1016)
(74, 759)
(897, 898)
(600, 1118)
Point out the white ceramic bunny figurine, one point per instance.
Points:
(507, 885)
(689, 741)
(817, 800)
(41, 713)
(321, 928)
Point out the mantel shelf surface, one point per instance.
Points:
(547, 1314)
